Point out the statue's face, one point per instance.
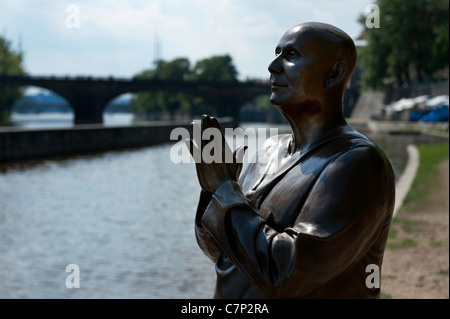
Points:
(299, 70)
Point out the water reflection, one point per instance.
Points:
(64, 120)
(124, 217)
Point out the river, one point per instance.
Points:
(125, 218)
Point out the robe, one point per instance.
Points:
(303, 226)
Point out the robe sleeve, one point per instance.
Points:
(339, 221)
(204, 239)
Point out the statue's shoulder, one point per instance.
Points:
(361, 148)
(348, 142)
(360, 139)
(351, 139)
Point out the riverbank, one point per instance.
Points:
(22, 144)
(416, 262)
(439, 129)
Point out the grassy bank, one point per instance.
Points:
(413, 231)
(431, 155)
(419, 198)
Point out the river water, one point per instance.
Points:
(125, 218)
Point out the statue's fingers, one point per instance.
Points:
(206, 123)
(196, 132)
(215, 123)
(195, 152)
(190, 145)
(226, 148)
(239, 154)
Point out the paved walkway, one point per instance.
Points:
(406, 179)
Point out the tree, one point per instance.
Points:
(10, 64)
(219, 68)
(145, 103)
(154, 103)
(410, 45)
(215, 69)
(177, 69)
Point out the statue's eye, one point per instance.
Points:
(291, 54)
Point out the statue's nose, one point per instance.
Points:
(275, 65)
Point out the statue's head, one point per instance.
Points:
(313, 64)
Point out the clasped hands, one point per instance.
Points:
(214, 160)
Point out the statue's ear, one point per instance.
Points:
(337, 73)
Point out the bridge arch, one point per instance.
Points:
(46, 107)
(89, 96)
(118, 110)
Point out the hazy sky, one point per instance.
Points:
(117, 37)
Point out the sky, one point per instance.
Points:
(120, 38)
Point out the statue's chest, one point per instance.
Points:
(280, 198)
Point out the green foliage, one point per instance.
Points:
(177, 69)
(410, 45)
(263, 102)
(216, 68)
(11, 64)
(153, 105)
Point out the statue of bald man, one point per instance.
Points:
(313, 227)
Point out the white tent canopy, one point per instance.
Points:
(405, 104)
(437, 100)
(420, 102)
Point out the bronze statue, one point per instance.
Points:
(311, 229)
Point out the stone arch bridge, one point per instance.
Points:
(89, 96)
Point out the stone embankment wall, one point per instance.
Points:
(20, 144)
